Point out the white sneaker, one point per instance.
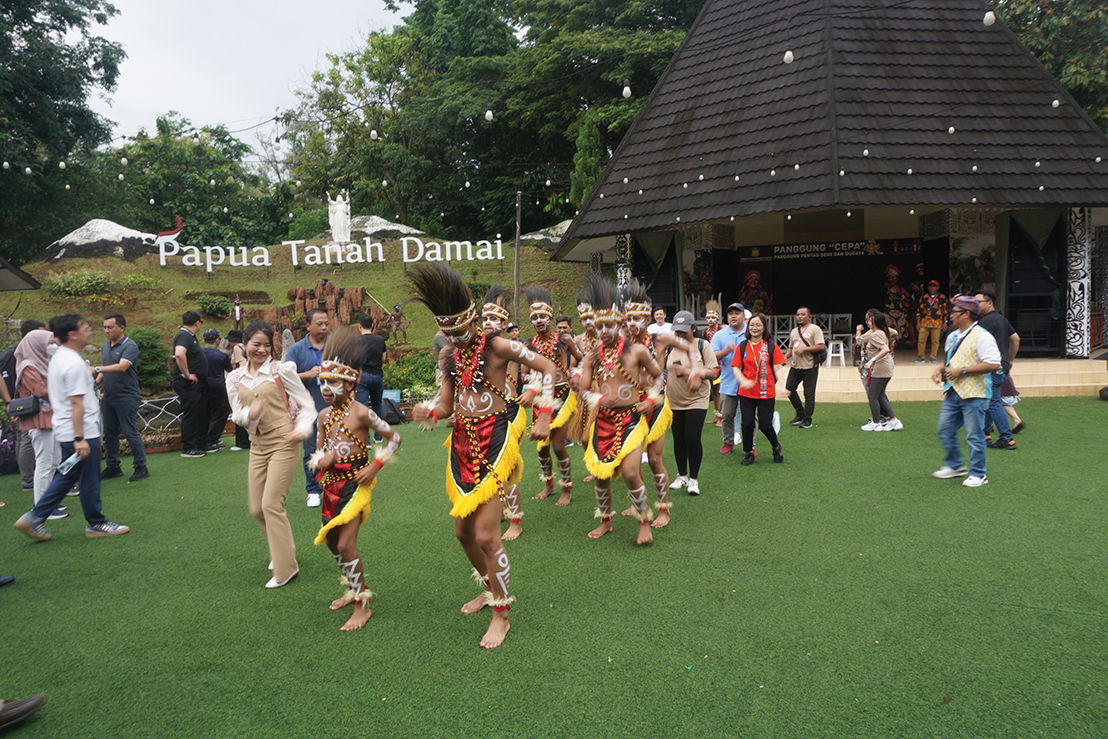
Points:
(870, 426)
(679, 482)
(883, 426)
(975, 482)
(313, 500)
(694, 487)
(945, 472)
(236, 449)
(894, 424)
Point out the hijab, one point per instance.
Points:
(32, 352)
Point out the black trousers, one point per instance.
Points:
(219, 408)
(764, 409)
(194, 413)
(808, 377)
(879, 407)
(687, 447)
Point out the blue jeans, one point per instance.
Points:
(310, 483)
(86, 474)
(119, 416)
(997, 415)
(969, 412)
(371, 388)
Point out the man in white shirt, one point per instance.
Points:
(659, 326)
(77, 428)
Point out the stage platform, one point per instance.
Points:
(911, 381)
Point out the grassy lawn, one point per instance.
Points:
(844, 592)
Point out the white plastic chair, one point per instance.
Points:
(836, 348)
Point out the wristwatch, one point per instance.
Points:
(78, 438)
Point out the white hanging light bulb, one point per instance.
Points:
(1055, 103)
(626, 90)
(684, 186)
(624, 215)
(974, 168)
(488, 114)
(384, 183)
(700, 178)
(1097, 160)
(601, 196)
(678, 219)
(625, 180)
(118, 177)
(1041, 188)
(225, 209)
(7, 165)
(865, 152)
(773, 173)
(548, 183)
(848, 214)
(640, 192)
(67, 186)
(1038, 164)
(989, 19)
(61, 165)
(290, 214)
(911, 211)
(950, 130)
(788, 58)
(467, 183)
(842, 172)
(788, 217)
(796, 167)
(27, 170)
(212, 182)
(736, 178)
(973, 200)
(373, 134)
(909, 170)
(151, 201)
(123, 161)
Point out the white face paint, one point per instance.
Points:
(635, 325)
(492, 324)
(336, 389)
(608, 331)
(541, 323)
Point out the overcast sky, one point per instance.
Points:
(226, 61)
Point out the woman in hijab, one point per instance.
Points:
(32, 360)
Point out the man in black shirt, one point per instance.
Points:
(117, 375)
(1008, 341)
(215, 391)
(190, 371)
(372, 383)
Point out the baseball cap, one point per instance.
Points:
(934, 282)
(736, 306)
(512, 325)
(211, 334)
(683, 321)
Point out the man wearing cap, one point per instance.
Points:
(724, 343)
(117, 375)
(971, 358)
(215, 392)
(931, 318)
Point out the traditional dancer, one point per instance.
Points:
(711, 316)
(622, 419)
(638, 314)
(345, 472)
(563, 352)
(495, 317)
(488, 425)
(586, 341)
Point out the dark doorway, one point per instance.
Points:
(1037, 281)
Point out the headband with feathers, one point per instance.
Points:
(540, 302)
(446, 294)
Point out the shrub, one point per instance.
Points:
(412, 369)
(309, 224)
(215, 306)
(78, 284)
(139, 281)
(416, 393)
(153, 368)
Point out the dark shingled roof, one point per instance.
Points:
(886, 76)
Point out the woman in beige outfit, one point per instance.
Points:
(269, 400)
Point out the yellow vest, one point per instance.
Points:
(969, 386)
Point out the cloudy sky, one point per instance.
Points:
(226, 61)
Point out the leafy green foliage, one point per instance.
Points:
(139, 281)
(308, 224)
(216, 306)
(81, 283)
(412, 369)
(153, 368)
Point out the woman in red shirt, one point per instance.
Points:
(756, 364)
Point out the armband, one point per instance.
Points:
(313, 461)
(544, 409)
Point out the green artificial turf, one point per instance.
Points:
(844, 592)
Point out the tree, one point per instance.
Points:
(1071, 39)
(50, 63)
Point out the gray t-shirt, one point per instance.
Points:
(121, 385)
(69, 376)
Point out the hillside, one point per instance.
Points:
(160, 307)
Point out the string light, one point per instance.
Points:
(373, 134)
(548, 183)
(736, 178)
(118, 177)
(700, 178)
(488, 114)
(67, 186)
(773, 173)
(640, 192)
(909, 170)
(973, 200)
(626, 90)
(865, 152)
(384, 183)
(61, 165)
(989, 19)
(7, 165)
(467, 183)
(842, 172)
(225, 209)
(27, 170)
(974, 168)
(1097, 160)
(950, 130)
(796, 167)
(911, 211)
(1055, 103)
(684, 186)
(788, 217)
(1038, 164)
(123, 161)
(1041, 188)
(625, 180)
(848, 214)
(788, 58)
(151, 201)
(211, 182)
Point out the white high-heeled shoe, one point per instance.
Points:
(275, 583)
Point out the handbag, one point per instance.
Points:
(22, 407)
(819, 357)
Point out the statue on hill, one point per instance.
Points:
(236, 313)
(398, 324)
(338, 215)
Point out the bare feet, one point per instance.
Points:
(342, 601)
(629, 511)
(476, 604)
(564, 498)
(646, 535)
(498, 629)
(515, 528)
(599, 531)
(661, 521)
(546, 491)
(357, 619)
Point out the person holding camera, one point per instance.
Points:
(971, 357)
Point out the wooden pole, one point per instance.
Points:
(515, 293)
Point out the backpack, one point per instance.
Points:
(7, 369)
(390, 412)
(819, 357)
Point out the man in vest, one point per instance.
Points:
(971, 358)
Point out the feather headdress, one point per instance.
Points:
(584, 307)
(497, 303)
(711, 310)
(601, 296)
(635, 300)
(447, 296)
(540, 302)
(342, 356)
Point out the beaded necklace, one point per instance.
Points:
(549, 350)
(467, 363)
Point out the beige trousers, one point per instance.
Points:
(273, 461)
(921, 344)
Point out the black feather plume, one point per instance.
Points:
(440, 288)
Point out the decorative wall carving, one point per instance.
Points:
(623, 261)
(1078, 256)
